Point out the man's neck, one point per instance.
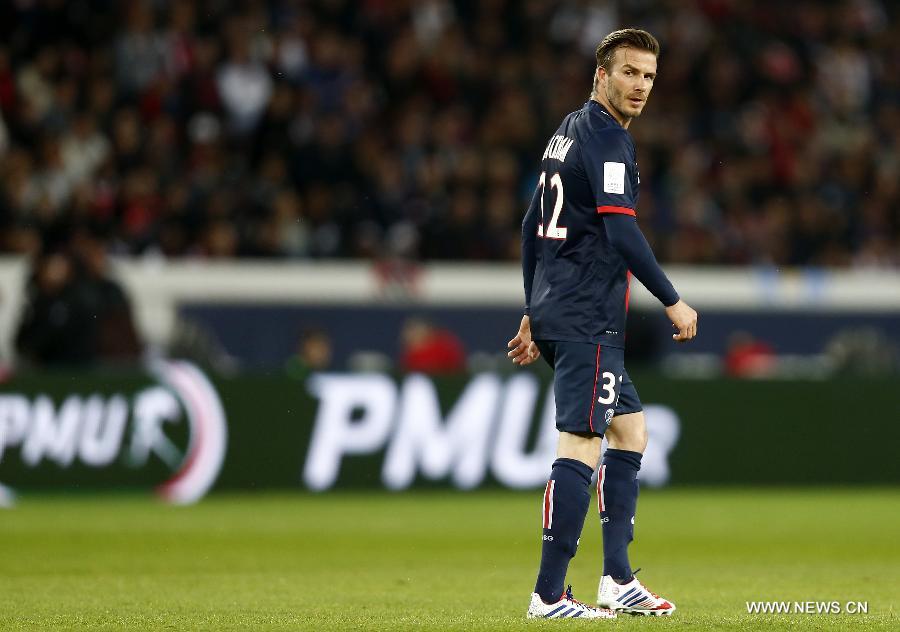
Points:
(613, 112)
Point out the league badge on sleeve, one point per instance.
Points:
(614, 177)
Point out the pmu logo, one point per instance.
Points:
(489, 428)
(105, 431)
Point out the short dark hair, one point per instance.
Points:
(625, 38)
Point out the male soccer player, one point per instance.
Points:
(580, 246)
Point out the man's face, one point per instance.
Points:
(628, 83)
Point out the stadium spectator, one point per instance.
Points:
(114, 335)
(749, 357)
(314, 353)
(51, 332)
(321, 129)
(430, 349)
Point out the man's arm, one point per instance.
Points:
(610, 167)
(523, 350)
(626, 237)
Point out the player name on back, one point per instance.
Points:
(558, 147)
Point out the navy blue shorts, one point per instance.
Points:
(590, 385)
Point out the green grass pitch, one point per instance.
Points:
(435, 560)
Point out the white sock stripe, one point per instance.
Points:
(544, 506)
(547, 505)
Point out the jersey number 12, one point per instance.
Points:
(554, 230)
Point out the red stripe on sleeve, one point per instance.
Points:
(627, 288)
(622, 210)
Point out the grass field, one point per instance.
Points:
(438, 561)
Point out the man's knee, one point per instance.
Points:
(628, 432)
(581, 447)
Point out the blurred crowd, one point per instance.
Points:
(413, 129)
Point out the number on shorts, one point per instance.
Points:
(609, 387)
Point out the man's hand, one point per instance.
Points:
(684, 319)
(523, 351)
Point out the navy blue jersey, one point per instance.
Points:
(579, 288)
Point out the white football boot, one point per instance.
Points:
(566, 608)
(631, 598)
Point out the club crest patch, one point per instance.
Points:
(609, 416)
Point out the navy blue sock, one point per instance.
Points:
(566, 501)
(617, 488)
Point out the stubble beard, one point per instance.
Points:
(617, 100)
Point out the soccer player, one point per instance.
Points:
(580, 246)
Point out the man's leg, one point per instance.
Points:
(617, 488)
(576, 367)
(566, 501)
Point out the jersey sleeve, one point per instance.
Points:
(529, 235)
(626, 237)
(609, 160)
